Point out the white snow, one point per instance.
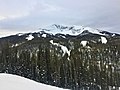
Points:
(71, 30)
(103, 40)
(52, 29)
(51, 41)
(64, 48)
(88, 47)
(95, 31)
(113, 87)
(14, 82)
(113, 35)
(84, 43)
(20, 34)
(15, 45)
(44, 35)
(30, 37)
(78, 27)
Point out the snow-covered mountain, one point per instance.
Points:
(74, 30)
(70, 30)
(64, 32)
(88, 37)
(14, 82)
(72, 57)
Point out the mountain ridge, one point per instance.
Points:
(69, 30)
(65, 32)
(73, 61)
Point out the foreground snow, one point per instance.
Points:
(14, 82)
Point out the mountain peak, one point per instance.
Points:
(71, 30)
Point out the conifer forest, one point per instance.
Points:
(83, 68)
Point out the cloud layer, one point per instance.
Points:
(20, 15)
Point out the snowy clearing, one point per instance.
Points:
(84, 43)
(30, 37)
(103, 40)
(44, 35)
(64, 48)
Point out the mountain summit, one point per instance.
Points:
(73, 30)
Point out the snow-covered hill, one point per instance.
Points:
(14, 82)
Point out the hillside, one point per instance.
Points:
(14, 82)
(72, 57)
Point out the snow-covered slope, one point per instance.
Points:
(72, 30)
(14, 82)
(30, 37)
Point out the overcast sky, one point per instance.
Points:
(29, 15)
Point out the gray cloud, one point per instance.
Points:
(32, 14)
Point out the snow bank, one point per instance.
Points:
(103, 40)
(84, 43)
(44, 35)
(30, 37)
(20, 34)
(14, 82)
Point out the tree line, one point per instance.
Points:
(95, 68)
